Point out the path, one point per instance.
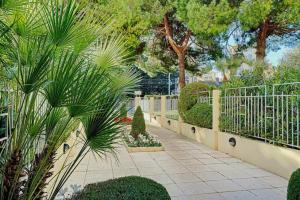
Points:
(188, 170)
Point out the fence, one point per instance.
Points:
(157, 105)
(205, 97)
(171, 103)
(267, 113)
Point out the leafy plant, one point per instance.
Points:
(123, 111)
(138, 123)
(188, 97)
(200, 115)
(125, 188)
(57, 84)
(293, 192)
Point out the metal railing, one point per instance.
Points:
(205, 97)
(145, 104)
(157, 104)
(171, 103)
(267, 113)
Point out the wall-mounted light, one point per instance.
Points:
(66, 147)
(193, 129)
(169, 122)
(155, 117)
(77, 132)
(232, 141)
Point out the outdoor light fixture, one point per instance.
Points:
(232, 141)
(66, 147)
(155, 117)
(77, 132)
(193, 129)
(169, 122)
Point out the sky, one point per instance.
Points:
(274, 57)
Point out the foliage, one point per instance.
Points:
(145, 140)
(125, 188)
(266, 18)
(214, 17)
(138, 125)
(172, 115)
(57, 84)
(292, 59)
(132, 19)
(293, 192)
(188, 97)
(123, 110)
(230, 65)
(200, 115)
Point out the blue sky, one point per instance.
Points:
(274, 57)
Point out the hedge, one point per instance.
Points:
(138, 123)
(125, 188)
(200, 115)
(293, 192)
(188, 97)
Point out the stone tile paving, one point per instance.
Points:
(189, 170)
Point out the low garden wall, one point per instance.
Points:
(279, 160)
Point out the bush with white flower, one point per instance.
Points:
(138, 136)
(143, 140)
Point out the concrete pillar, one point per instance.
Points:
(137, 102)
(216, 116)
(163, 104)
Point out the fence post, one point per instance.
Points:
(137, 102)
(163, 106)
(216, 116)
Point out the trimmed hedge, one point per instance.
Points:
(138, 123)
(200, 115)
(188, 97)
(293, 192)
(125, 188)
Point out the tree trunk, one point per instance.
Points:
(179, 48)
(181, 58)
(262, 40)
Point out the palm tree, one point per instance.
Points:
(59, 83)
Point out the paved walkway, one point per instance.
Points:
(188, 170)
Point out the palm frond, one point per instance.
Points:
(111, 53)
(64, 73)
(60, 18)
(34, 57)
(12, 5)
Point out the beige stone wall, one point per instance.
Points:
(279, 160)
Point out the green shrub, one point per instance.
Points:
(125, 188)
(200, 115)
(138, 124)
(293, 192)
(188, 97)
(123, 111)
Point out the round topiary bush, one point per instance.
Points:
(188, 97)
(293, 192)
(125, 188)
(138, 123)
(200, 115)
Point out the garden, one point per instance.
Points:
(70, 69)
